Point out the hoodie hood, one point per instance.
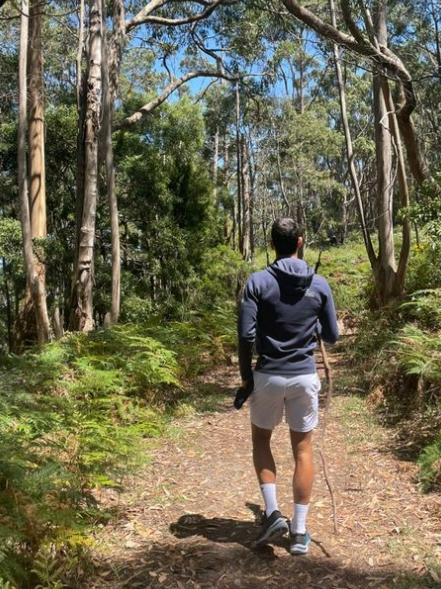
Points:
(293, 275)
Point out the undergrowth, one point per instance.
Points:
(73, 417)
(398, 352)
(348, 272)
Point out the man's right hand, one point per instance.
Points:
(243, 393)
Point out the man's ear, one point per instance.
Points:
(300, 243)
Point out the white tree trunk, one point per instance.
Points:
(386, 267)
(82, 309)
(246, 201)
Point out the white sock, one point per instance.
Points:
(270, 497)
(298, 522)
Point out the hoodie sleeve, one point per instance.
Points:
(328, 316)
(247, 329)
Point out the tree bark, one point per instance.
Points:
(281, 182)
(109, 90)
(36, 145)
(246, 201)
(230, 235)
(82, 307)
(386, 266)
(34, 284)
(37, 175)
(9, 320)
(238, 173)
(145, 16)
(405, 199)
(81, 90)
(415, 158)
(215, 162)
(80, 48)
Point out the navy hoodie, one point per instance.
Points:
(282, 308)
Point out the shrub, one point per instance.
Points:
(430, 465)
(424, 307)
(72, 419)
(136, 309)
(222, 269)
(419, 354)
(348, 272)
(424, 268)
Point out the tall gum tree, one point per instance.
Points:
(386, 265)
(393, 124)
(111, 50)
(110, 69)
(30, 55)
(82, 295)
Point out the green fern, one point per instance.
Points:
(73, 417)
(430, 465)
(6, 584)
(419, 353)
(424, 307)
(47, 569)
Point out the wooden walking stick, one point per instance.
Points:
(328, 397)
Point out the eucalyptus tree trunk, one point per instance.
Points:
(215, 162)
(252, 177)
(246, 201)
(238, 173)
(349, 148)
(405, 198)
(37, 174)
(281, 182)
(110, 72)
(229, 233)
(81, 92)
(82, 292)
(386, 265)
(36, 145)
(34, 282)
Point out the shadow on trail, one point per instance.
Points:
(227, 530)
(219, 553)
(223, 530)
(199, 563)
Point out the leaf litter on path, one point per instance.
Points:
(189, 519)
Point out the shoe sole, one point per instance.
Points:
(299, 550)
(277, 530)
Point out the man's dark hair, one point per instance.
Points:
(285, 235)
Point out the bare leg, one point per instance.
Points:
(304, 468)
(262, 455)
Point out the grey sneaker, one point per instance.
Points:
(273, 527)
(299, 543)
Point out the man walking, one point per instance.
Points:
(282, 308)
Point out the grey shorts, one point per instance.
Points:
(297, 396)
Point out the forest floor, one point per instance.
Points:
(189, 518)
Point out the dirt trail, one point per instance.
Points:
(188, 520)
